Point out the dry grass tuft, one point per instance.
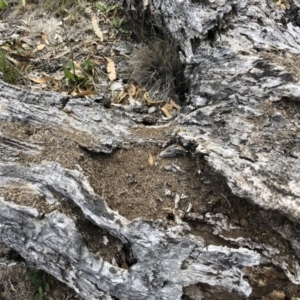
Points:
(156, 66)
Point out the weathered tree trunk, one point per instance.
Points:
(242, 115)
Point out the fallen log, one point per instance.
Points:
(240, 118)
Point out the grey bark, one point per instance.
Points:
(239, 61)
(167, 258)
(236, 76)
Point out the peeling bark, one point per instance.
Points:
(167, 258)
(243, 93)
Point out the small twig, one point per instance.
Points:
(135, 186)
(127, 191)
(226, 200)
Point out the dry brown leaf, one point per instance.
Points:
(111, 70)
(12, 60)
(91, 43)
(133, 89)
(84, 94)
(113, 15)
(167, 109)
(147, 97)
(45, 38)
(175, 105)
(6, 48)
(149, 102)
(138, 89)
(39, 48)
(17, 44)
(150, 160)
(98, 62)
(26, 54)
(38, 80)
(96, 28)
(122, 94)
